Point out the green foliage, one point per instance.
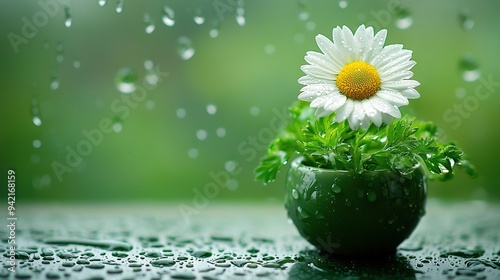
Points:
(402, 147)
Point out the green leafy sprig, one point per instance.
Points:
(403, 146)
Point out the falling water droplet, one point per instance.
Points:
(470, 69)
(168, 17)
(67, 16)
(35, 112)
(403, 17)
(198, 17)
(201, 134)
(119, 6)
(269, 49)
(151, 77)
(150, 104)
(214, 32)
(180, 113)
(230, 166)
(102, 2)
(343, 4)
(460, 93)
(37, 143)
(232, 184)
(125, 80)
(54, 83)
(303, 10)
(59, 52)
(193, 153)
(35, 159)
(185, 48)
(240, 14)
(254, 111)
(117, 125)
(150, 26)
(221, 132)
(76, 64)
(310, 25)
(211, 109)
(466, 22)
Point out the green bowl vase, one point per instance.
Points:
(344, 213)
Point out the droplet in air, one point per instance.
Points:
(198, 17)
(193, 153)
(403, 17)
(150, 104)
(232, 184)
(180, 113)
(221, 132)
(76, 64)
(469, 68)
(343, 4)
(119, 6)
(310, 25)
(269, 49)
(151, 77)
(254, 111)
(168, 17)
(67, 17)
(201, 134)
(125, 80)
(240, 14)
(37, 143)
(54, 83)
(102, 2)
(303, 10)
(211, 109)
(117, 125)
(35, 112)
(460, 93)
(230, 166)
(466, 22)
(185, 48)
(214, 32)
(59, 52)
(150, 26)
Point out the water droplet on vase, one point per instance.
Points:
(193, 153)
(303, 10)
(180, 113)
(150, 26)
(102, 2)
(119, 6)
(185, 48)
(343, 4)
(201, 134)
(67, 17)
(403, 17)
(371, 195)
(470, 69)
(198, 17)
(336, 188)
(37, 143)
(168, 17)
(466, 22)
(295, 194)
(211, 109)
(221, 132)
(125, 80)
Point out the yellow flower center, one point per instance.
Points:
(358, 80)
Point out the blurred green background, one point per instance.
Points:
(214, 112)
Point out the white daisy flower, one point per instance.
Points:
(357, 78)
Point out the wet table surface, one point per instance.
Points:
(459, 240)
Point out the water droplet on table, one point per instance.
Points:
(67, 17)
(125, 80)
(185, 48)
(168, 17)
(150, 26)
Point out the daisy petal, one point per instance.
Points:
(335, 102)
(385, 107)
(393, 97)
(400, 85)
(319, 102)
(323, 62)
(317, 72)
(344, 112)
(310, 92)
(387, 119)
(377, 119)
(321, 112)
(410, 93)
(308, 80)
